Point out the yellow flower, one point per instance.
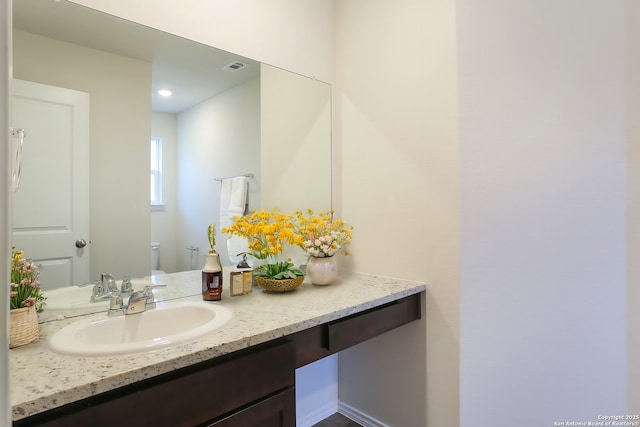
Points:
(266, 231)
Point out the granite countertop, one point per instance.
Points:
(42, 380)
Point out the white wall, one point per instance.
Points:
(163, 220)
(120, 131)
(316, 391)
(217, 138)
(543, 185)
(396, 118)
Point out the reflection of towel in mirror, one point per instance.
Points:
(233, 202)
(238, 201)
(233, 199)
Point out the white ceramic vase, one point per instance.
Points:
(322, 271)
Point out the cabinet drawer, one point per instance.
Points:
(187, 397)
(276, 411)
(320, 341)
(355, 329)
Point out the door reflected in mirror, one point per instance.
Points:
(259, 120)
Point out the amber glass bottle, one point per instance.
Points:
(212, 277)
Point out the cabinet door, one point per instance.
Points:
(188, 397)
(276, 411)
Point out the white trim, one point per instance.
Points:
(316, 416)
(359, 416)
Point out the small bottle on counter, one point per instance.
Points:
(212, 271)
(236, 283)
(247, 274)
(247, 281)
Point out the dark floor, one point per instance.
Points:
(337, 420)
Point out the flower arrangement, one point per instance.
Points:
(25, 285)
(320, 235)
(267, 232)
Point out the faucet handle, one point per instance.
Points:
(116, 306)
(126, 287)
(99, 293)
(149, 288)
(148, 293)
(137, 303)
(108, 282)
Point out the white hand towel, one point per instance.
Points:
(233, 201)
(225, 199)
(238, 200)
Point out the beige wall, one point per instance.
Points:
(543, 189)
(295, 136)
(291, 34)
(396, 119)
(120, 123)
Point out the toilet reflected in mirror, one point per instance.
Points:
(155, 258)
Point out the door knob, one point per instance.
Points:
(81, 243)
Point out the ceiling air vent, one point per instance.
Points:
(235, 66)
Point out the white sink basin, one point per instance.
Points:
(79, 297)
(169, 324)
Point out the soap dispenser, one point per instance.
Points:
(212, 271)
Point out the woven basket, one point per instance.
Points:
(23, 326)
(280, 285)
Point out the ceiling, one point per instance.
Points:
(192, 71)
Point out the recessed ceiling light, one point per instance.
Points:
(164, 92)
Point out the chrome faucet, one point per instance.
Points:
(139, 301)
(108, 282)
(103, 288)
(97, 293)
(126, 287)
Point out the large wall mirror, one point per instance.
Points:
(228, 116)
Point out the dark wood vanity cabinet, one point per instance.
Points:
(253, 387)
(275, 411)
(248, 388)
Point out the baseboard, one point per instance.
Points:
(316, 416)
(359, 416)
